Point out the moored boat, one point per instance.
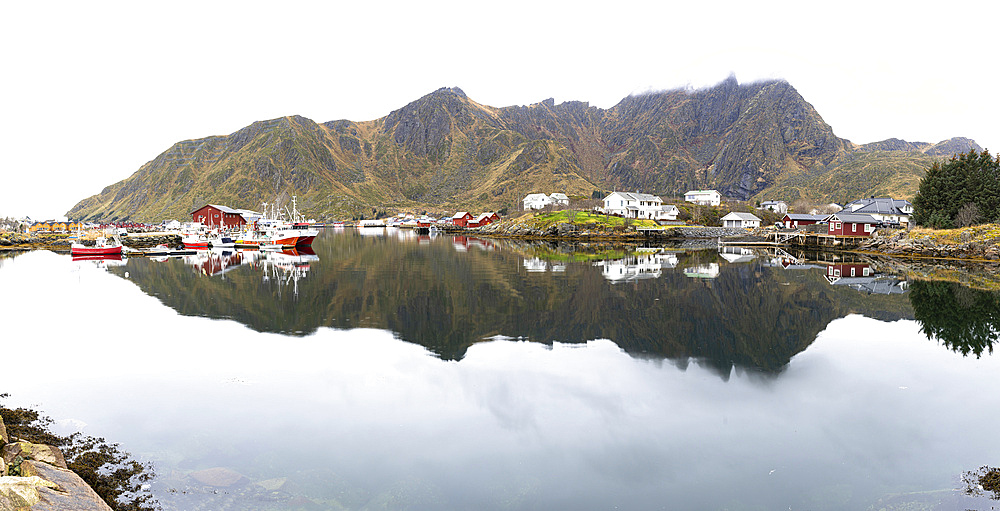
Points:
(102, 247)
(195, 241)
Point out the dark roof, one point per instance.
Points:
(802, 216)
(224, 209)
(853, 218)
(879, 205)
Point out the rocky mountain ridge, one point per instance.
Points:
(446, 152)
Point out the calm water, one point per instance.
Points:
(391, 371)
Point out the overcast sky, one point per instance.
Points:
(93, 90)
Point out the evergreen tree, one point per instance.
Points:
(970, 178)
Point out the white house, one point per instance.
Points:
(669, 212)
(536, 201)
(745, 220)
(777, 206)
(704, 197)
(559, 199)
(638, 205)
(885, 210)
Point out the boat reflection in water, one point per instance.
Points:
(215, 261)
(287, 267)
(102, 261)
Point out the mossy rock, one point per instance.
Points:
(22, 492)
(37, 452)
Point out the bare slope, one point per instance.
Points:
(445, 152)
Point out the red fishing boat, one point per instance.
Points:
(195, 241)
(102, 247)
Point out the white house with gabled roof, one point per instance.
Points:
(536, 201)
(638, 205)
(777, 206)
(704, 197)
(559, 199)
(738, 219)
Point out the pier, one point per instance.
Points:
(800, 239)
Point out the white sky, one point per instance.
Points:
(90, 91)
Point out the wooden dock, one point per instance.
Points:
(801, 239)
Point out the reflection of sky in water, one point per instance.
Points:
(869, 409)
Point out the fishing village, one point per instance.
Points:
(870, 225)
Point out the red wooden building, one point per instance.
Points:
(846, 224)
(795, 220)
(214, 215)
(461, 218)
(484, 219)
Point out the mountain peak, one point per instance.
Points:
(444, 151)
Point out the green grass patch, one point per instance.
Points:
(585, 219)
(581, 257)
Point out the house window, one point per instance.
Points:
(854, 227)
(852, 272)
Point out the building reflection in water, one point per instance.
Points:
(637, 266)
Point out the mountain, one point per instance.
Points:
(446, 152)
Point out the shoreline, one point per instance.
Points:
(958, 245)
(60, 243)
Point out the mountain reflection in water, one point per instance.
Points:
(447, 293)
(867, 414)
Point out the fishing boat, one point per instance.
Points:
(196, 241)
(273, 229)
(102, 246)
(219, 240)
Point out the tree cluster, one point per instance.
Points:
(960, 192)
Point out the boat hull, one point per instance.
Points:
(95, 251)
(97, 257)
(295, 240)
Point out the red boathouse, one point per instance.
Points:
(461, 218)
(214, 215)
(846, 224)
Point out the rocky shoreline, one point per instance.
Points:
(910, 245)
(61, 242)
(35, 476)
(563, 231)
(980, 243)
